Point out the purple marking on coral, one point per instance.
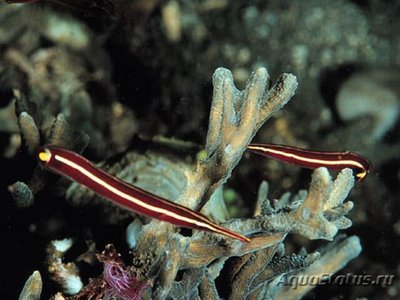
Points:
(122, 283)
(119, 281)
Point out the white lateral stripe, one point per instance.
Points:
(312, 160)
(128, 197)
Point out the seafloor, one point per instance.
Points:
(167, 95)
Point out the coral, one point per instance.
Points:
(318, 214)
(66, 274)
(59, 133)
(109, 70)
(333, 258)
(303, 37)
(232, 112)
(161, 252)
(172, 21)
(117, 281)
(32, 288)
(22, 194)
(235, 118)
(62, 78)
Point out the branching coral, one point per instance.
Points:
(333, 257)
(161, 252)
(318, 214)
(235, 118)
